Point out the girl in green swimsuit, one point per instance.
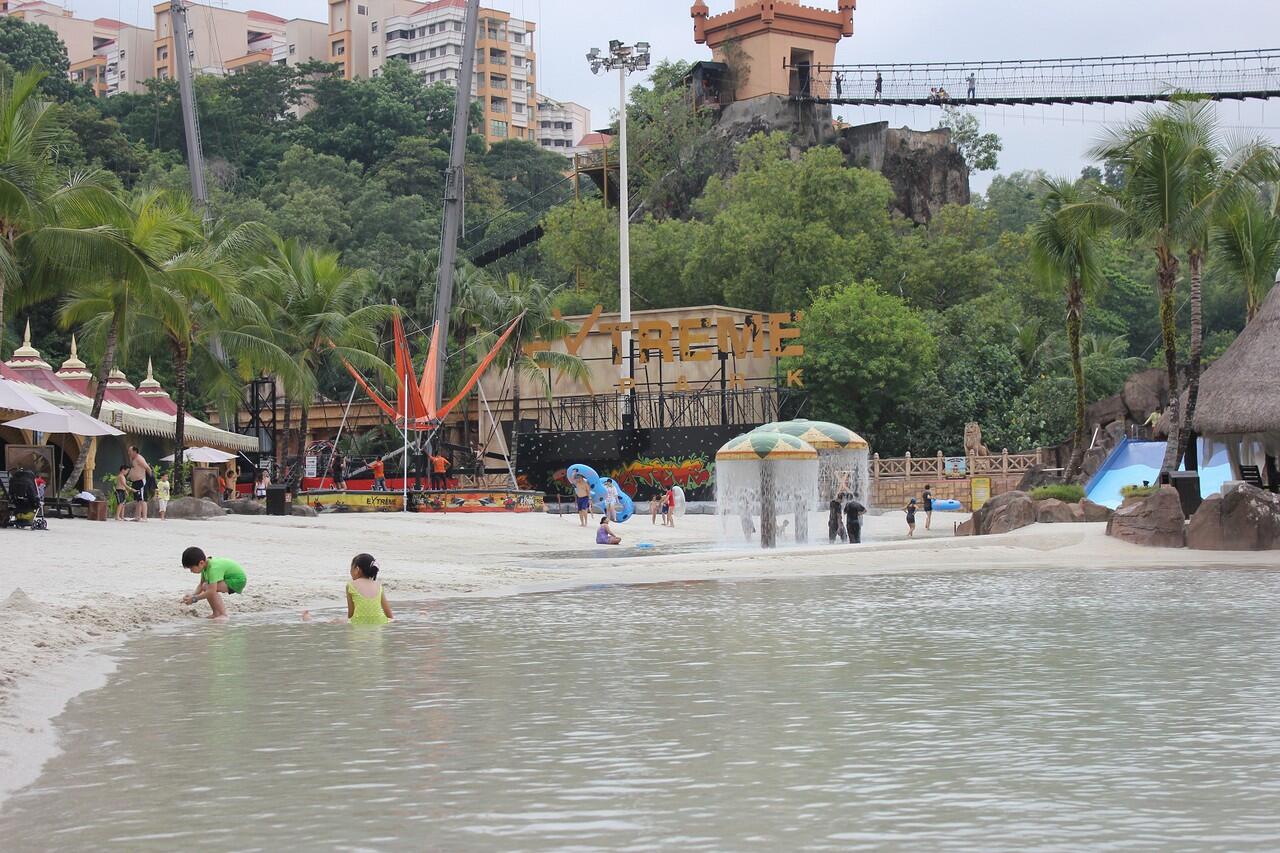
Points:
(366, 599)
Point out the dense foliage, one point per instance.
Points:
(911, 331)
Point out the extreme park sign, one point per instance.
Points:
(694, 339)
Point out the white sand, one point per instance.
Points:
(81, 584)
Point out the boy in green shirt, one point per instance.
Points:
(218, 576)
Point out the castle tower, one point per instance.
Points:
(776, 42)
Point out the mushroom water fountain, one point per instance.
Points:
(764, 473)
(844, 463)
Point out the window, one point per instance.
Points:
(517, 61)
(457, 49)
(498, 105)
(518, 85)
(457, 26)
(164, 74)
(545, 125)
(293, 49)
(122, 54)
(498, 129)
(373, 26)
(519, 133)
(190, 34)
(517, 38)
(162, 53)
(339, 48)
(545, 143)
(362, 10)
(124, 76)
(373, 50)
(518, 109)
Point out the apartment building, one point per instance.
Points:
(561, 124)
(108, 55)
(364, 34)
(303, 41)
(220, 40)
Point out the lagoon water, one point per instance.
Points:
(1036, 710)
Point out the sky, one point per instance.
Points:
(1050, 138)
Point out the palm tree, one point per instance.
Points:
(1164, 156)
(108, 309)
(54, 227)
(197, 307)
(1064, 249)
(318, 309)
(1247, 239)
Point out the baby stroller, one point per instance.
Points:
(26, 501)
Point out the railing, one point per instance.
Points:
(603, 412)
(907, 467)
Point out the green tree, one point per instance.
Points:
(865, 352)
(981, 151)
(35, 47)
(1065, 253)
(320, 311)
(1016, 199)
(1247, 239)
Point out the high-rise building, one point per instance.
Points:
(220, 40)
(107, 55)
(364, 34)
(561, 124)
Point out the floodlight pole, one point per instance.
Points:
(624, 58)
(187, 96)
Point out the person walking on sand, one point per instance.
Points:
(605, 536)
(218, 577)
(653, 509)
(140, 477)
(582, 492)
(669, 507)
(164, 490)
(910, 510)
(366, 597)
(928, 505)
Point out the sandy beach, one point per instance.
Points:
(80, 587)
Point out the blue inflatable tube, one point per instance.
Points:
(599, 491)
(946, 505)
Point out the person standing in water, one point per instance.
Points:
(910, 510)
(853, 521)
(928, 506)
(366, 597)
(835, 522)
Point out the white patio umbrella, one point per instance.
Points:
(202, 454)
(15, 398)
(68, 421)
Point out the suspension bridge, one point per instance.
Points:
(1146, 78)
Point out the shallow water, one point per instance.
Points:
(990, 711)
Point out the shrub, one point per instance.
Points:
(1068, 492)
(1138, 491)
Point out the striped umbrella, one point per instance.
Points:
(819, 434)
(766, 445)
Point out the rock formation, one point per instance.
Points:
(1156, 520)
(1244, 519)
(925, 169)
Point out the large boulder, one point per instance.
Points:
(1004, 512)
(1054, 511)
(1156, 521)
(1037, 476)
(303, 511)
(965, 528)
(196, 508)
(1244, 519)
(1145, 392)
(1095, 512)
(1105, 411)
(1093, 459)
(245, 506)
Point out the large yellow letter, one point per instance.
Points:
(660, 340)
(738, 342)
(693, 331)
(777, 334)
(573, 343)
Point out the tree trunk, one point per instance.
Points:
(1167, 275)
(2, 283)
(1195, 260)
(299, 468)
(1075, 319)
(99, 393)
(180, 422)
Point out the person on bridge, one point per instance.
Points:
(973, 85)
(839, 85)
(879, 86)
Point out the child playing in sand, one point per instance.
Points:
(122, 491)
(605, 536)
(218, 576)
(366, 599)
(164, 489)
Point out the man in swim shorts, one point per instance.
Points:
(583, 493)
(140, 477)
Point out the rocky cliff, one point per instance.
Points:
(924, 167)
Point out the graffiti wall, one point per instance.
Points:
(644, 462)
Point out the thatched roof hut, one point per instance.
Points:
(1240, 392)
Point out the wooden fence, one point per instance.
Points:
(909, 467)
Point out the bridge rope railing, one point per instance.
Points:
(1100, 79)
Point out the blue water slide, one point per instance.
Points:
(1133, 462)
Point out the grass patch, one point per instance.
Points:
(1066, 492)
(1138, 491)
